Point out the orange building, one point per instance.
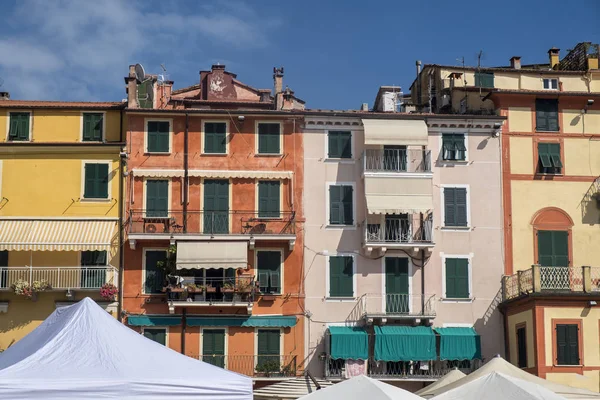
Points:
(214, 236)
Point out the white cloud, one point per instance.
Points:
(70, 48)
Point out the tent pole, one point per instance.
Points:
(183, 324)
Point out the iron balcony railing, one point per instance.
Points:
(256, 366)
(395, 229)
(81, 277)
(211, 222)
(549, 280)
(394, 305)
(398, 370)
(200, 290)
(397, 160)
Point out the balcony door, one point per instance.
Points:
(397, 228)
(394, 158)
(216, 206)
(553, 257)
(213, 347)
(396, 285)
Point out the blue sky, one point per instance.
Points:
(335, 53)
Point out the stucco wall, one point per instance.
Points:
(519, 119)
(525, 317)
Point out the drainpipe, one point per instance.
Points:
(418, 64)
(183, 325)
(122, 160)
(185, 172)
(422, 276)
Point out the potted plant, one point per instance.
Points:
(210, 289)
(108, 291)
(244, 285)
(22, 288)
(169, 266)
(268, 368)
(228, 287)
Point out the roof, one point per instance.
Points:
(61, 104)
(540, 92)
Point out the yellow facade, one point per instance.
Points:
(526, 318)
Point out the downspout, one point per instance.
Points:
(183, 325)
(422, 276)
(122, 161)
(185, 172)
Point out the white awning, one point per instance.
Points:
(57, 234)
(216, 174)
(210, 254)
(398, 196)
(395, 132)
(157, 173)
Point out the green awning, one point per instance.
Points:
(404, 343)
(255, 321)
(153, 320)
(459, 343)
(349, 343)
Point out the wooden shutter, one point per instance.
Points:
(154, 276)
(552, 115)
(461, 206)
(213, 347)
(269, 342)
(215, 137)
(157, 198)
(341, 276)
(573, 344)
(268, 138)
(347, 201)
(553, 248)
(158, 335)
(269, 271)
(339, 144)
(92, 127)
(89, 191)
(449, 206)
(102, 181)
(461, 278)
(95, 181)
(268, 199)
(396, 279)
(451, 278)
(554, 155)
(158, 137)
(335, 206)
(546, 115)
(152, 140)
(19, 126)
(333, 145)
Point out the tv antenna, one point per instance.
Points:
(140, 74)
(1, 81)
(163, 77)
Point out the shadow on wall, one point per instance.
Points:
(590, 204)
(489, 328)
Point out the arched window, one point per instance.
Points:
(552, 229)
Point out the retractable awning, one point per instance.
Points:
(198, 255)
(154, 320)
(395, 132)
(57, 234)
(254, 321)
(404, 343)
(391, 196)
(215, 174)
(349, 343)
(459, 343)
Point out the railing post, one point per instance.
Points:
(30, 274)
(536, 278)
(587, 279)
(504, 294)
(58, 277)
(519, 289)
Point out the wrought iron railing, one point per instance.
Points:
(211, 222)
(81, 277)
(201, 289)
(542, 279)
(256, 366)
(396, 304)
(400, 230)
(397, 160)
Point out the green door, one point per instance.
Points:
(216, 206)
(553, 251)
(157, 198)
(396, 285)
(268, 361)
(213, 347)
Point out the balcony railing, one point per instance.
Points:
(211, 222)
(395, 305)
(397, 160)
(202, 290)
(401, 370)
(256, 366)
(60, 277)
(409, 230)
(551, 280)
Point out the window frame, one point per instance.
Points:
(281, 342)
(442, 213)
(538, 161)
(256, 149)
(465, 151)
(203, 137)
(144, 251)
(518, 327)
(145, 194)
(469, 258)
(82, 126)
(171, 133)
(225, 347)
(30, 134)
(109, 183)
(550, 80)
(165, 328)
(329, 297)
(339, 159)
(579, 324)
(328, 205)
(257, 198)
(281, 268)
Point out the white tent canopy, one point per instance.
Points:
(498, 386)
(361, 388)
(447, 379)
(498, 364)
(81, 352)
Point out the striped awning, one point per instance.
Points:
(57, 234)
(214, 174)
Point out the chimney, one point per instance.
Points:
(592, 62)
(364, 107)
(4, 96)
(554, 54)
(131, 88)
(278, 87)
(217, 67)
(515, 62)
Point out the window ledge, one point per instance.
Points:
(460, 162)
(340, 299)
(214, 154)
(333, 227)
(537, 130)
(456, 228)
(449, 300)
(568, 366)
(268, 155)
(157, 153)
(86, 200)
(340, 160)
(546, 174)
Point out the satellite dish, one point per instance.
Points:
(140, 75)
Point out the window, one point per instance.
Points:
(92, 127)
(550, 84)
(341, 276)
(154, 279)
(549, 161)
(341, 205)
(268, 199)
(215, 137)
(453, 146)
(269, 271)
(19, 126)
(91, 276)
(157, 198)
(567, 344)
(484, 79)
(268, 345)
(553, 249)
(158, 137)
(159, 335)
(455, 207)
(95, 181)
(521, 347)
(457, 278)
(216, 206)
(546, 115)
(4, 269)
(339, 144)
(213, 347)
(269, 138)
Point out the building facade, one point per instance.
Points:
(399, 254)
(60, 208)
(213, 254)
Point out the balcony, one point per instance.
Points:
(61, 278)
(397, 231)
(394, 306)
(397, 161)
(541, 280)
(255, 366)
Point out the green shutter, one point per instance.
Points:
(153, 282)
(268, 199)
(213, 347)
(461, 206)
(339, 144)
(546, 115)
(268, 138)
(457, 278)
(553, 248)
(544, 155)
(157, 198)
(215, 137)
(92, 127)
(567, 344)
(341, 276)
(19, 126)
(269, 271)
(484, 79)
(573, 344)
(396, 285)
(216, 206)
(158, 335)
(554, 153)
(268, 343)
(95, 181)
(347, 205)
(158, 137)
(455, 207)
(335, 210)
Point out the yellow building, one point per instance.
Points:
(60, 191)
